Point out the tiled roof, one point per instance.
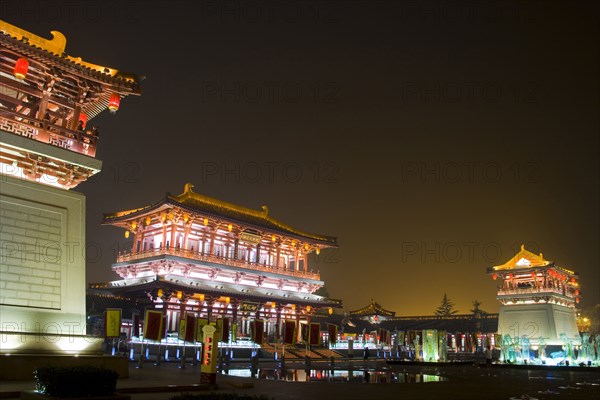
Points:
(195, 202)
(127, 82)
(135, 288)
(373, 309)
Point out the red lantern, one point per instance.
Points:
(495, 276)
(83, 118)
(577, 292)
(577, 300)
(510, 276)
(533, 274)
(21, 68)
(573, 280)
(114, 102)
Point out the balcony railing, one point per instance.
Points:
(195, 255)
(43, 131)
(508, 292)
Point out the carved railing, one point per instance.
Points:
(195, 255)
(507, 292)
(45, 132)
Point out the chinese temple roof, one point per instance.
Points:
(524, 259)
(451, 324)
(205, 205)
(136, 287)
(373, 309)
(51, 52)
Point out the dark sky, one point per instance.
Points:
(432, 138)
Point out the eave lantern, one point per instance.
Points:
(21, 68)
(84, 119)
(114, 102)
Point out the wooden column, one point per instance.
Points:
(186, 232)
(164, 238)
(277, 254)
(211, 248)
(173, 233)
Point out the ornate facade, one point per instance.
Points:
(538, 298)
(195, 254)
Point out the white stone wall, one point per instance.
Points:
(30, 268)
(42, 259)
(534, 320)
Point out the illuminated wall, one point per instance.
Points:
(42, 261)
(535, 320)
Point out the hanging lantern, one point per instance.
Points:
(114, 102)
(308, 308)
(494, 276)
(83, 118)
(21, 68)
(577, 292)
(273, 305)
(318, 251)
(205, 221)
(133, 225)
(126, 234)
(201, 297)
(573, 280)
(293, 306)
(330, 310)
(179, 294)
(227, 300)
(160, 293)
(148, 220)
(533, 274)
(577, 300)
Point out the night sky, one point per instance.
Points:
(432, 138)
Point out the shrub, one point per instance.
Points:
(83, 381)
(219, 396)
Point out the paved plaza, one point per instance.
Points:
(464, 382)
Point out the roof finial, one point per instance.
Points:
(265, 210)
(522, 247)
(187, 188)
(541, 255)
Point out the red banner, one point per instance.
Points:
(315, 333)
(332, 331)
(153, 322)
(190, 328)
(257, 327)
(289, 333)
(225, 330)
(304, 328)
(136, 325)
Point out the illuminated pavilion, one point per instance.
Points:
(538, 299)
(191, 253)
(373, 312)
(47, 148)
